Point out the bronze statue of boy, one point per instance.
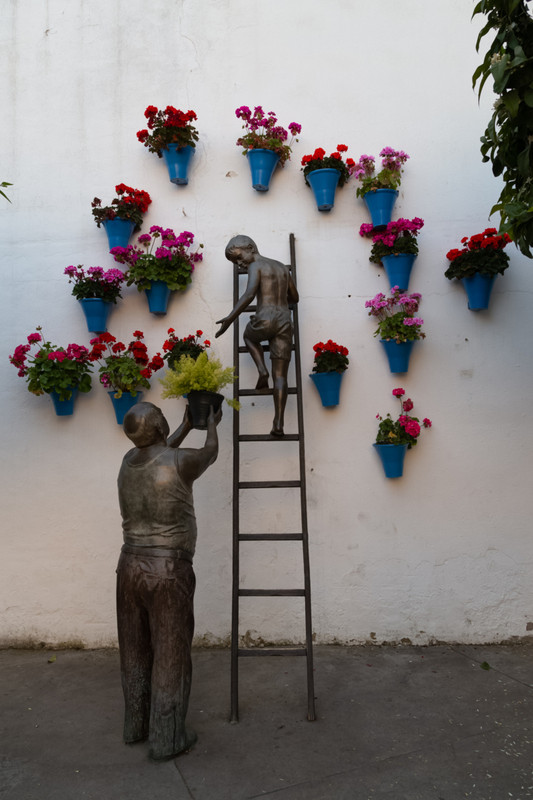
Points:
(155, 577)
(271, 283)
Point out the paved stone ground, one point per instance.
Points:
(393, 723)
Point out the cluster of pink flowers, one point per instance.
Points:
(170, 247)
(78, 274)
(388, 177)
(73, 352)
(265, 124)
(380, 303)
(410, 425)
(396, 228)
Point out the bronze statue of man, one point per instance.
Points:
(155, 577)
(271, 283)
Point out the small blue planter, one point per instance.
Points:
(328, 385)
(262, 165)
(177, 160)
(118, 232)
(398, 269)
(392, 456)
(96, 313)
(324, 182)
(398, 354)
(123, 404)
(478, 289)
(380, 204)
(158, 296)
(64, 408)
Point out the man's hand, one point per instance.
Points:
(214, 418)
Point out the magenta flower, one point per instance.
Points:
(398, 392)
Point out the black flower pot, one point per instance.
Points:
(199, 405)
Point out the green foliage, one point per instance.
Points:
(202, 374)
(394, 328)
(508, 138)
(4, 184)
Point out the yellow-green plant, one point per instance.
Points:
(202, 374)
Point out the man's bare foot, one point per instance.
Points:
(262, 382)
(277, 432)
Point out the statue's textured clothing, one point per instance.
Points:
(156, 505)
(272, 324)
(155, 593)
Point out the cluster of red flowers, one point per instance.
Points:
(135, 197)
(320, 154)
(191, 345)
(170, 125)
(330, 357)
(107, 347)
(330, 347)
(490, 239)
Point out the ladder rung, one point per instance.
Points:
(259, 392)
(269, 484)
(272, 651)
(272, 592)
(270, 537)
(267, 437)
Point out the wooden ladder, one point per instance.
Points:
(241, 486)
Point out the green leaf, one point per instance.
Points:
(485, 665)
(512, 102)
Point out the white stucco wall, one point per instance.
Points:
(443, 553)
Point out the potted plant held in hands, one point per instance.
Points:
(124, 369)
(324, 173)
(96, 290)
(171, 136)
(331, 362)
(477, 264)
(123, 216)
(163, 264)
(264, 143)
(199, 379)
(396, 248)
(380, 190)
(395, 437)
(398, 327)
(56, 371)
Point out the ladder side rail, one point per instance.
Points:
(235, 519)
(303, 497)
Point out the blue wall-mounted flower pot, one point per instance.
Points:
(123, 404)
(158, 296)
(177, 160)
(96, 313)
(324, 182)
(262, 165)
(398, 354)
(380, 204)
(118, 231)
(398, 269)
(392, 456)
(328, 385)
(478, 289)
(64, 408)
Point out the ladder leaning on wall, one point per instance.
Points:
(240, 486)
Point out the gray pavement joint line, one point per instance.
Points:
(494, 669)
(379, 762)
(182, 776)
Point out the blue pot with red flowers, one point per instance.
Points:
(118, 231)
(124, 403)
(177, 160)
(324, 183)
